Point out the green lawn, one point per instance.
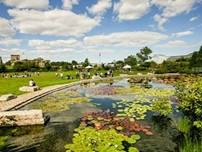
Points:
(12, 85)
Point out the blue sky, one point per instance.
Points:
(78, 29)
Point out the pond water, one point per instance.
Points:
(59, 130)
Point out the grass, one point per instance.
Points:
(190, 146)
(183, 125)
(12, 85)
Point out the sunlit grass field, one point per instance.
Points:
(12, 85)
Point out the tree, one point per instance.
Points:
(119, 64)
(144, 54)
(193, 61)
(74, 62)
(47, 67)
(86, 62)
(131, 60)
(19, 67)
(179, 65)
(200, 50)
(196, 59)
(2, 68)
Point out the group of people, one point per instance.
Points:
(62, 76)
(84, 75)
(19, 75)
(97, 75)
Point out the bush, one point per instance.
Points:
(190, 100)
(162, 106)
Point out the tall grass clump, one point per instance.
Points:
(191, 146)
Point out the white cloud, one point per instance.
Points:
(56, 44)
(173, 44)
(177, 43)
(6, 30)
(131, 9)
(193, 18)
(52, 22)
(68, 4)
(171, 8)
(125, 39)
(181, 34)
(8, 42)
(100, 7)
(35, 4)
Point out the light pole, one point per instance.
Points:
(100, 58)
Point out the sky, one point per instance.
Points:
(66, 30)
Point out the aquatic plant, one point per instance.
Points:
(152, 92)
(55, 105)
(136, 108)
(137, 111)
(89, 140)
(107, 120)
(162, 106)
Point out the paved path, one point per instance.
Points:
(27, 98)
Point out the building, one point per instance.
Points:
(40, 62)
(15, 58)
(1, 62)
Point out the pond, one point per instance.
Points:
(67, 107)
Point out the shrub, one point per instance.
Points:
(190, 100)
(162, 106)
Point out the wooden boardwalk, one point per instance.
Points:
(27, 98)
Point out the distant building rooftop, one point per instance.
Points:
(15, 57)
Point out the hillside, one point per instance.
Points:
(173, 58)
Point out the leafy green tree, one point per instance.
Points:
(74, 62)
(119, 64)
(2, 68)
(86, 62)
(196, 59)
(131, 60)
(47, 67)
(144, 54)
(193, 61)
(180, 65)
(19, 67)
